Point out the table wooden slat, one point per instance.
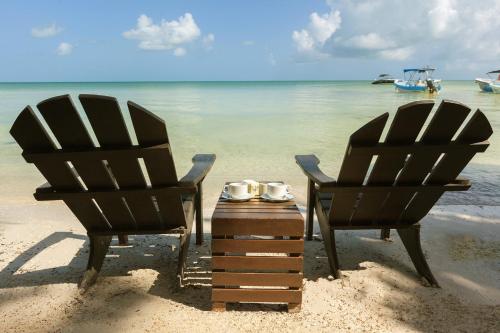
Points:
(257, 263)
(257, 279)
(257, 296)
(263, 228)
(254, 245)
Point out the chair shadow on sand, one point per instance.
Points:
(63, 274)
(156, 252)
(198, 274)
(144, 252)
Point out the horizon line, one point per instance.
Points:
(196, 81)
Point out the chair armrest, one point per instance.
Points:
(202, 163)
(309, 165)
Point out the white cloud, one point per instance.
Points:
(248, 42)
(443, 18)
(167, 35)
(370, 41)
(208, 41)
(64, 49)
(434, 31)
(303, 41)
(310, 41)
(48, 31)
(324, 26)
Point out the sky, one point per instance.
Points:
(245, 40)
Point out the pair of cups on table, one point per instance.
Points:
(245, 188)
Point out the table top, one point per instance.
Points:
(256, 209)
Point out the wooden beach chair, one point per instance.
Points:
(406, 180)
(104, 186)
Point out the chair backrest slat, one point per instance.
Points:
(111, 131)
(449, 167)
(404, 129)
(69, 130)
(151, 130)
(354, 168)
(478, 129)
(445, 123)
(443, 126)
(31, 136)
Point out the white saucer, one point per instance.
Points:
(286, 197)
(227, 196)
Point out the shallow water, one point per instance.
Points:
(255, 128)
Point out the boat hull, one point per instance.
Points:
(383, 81)
(484, 85)
(495, 88)
(404, 86)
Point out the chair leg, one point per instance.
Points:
(333, 257)
(310, 210)
(411, 240)
(199, 214)
(331, 252)
(183, 252)
(98, 248)
(385, 234)
(123, 240)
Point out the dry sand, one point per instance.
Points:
(43, 253)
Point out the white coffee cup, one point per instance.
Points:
(276, 190)
(237, 190)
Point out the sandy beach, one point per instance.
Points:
(43, 253)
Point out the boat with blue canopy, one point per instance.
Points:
(418, 80)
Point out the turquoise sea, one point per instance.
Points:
(255, 128)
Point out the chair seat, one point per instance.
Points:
(323, 206)
(187, 205)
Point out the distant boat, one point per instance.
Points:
(485, 84)
(384, 78)
(418, 80)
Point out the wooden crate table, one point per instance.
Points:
(257, 253)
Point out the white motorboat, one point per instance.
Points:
(486, 84)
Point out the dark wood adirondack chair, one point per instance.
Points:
(406, 180)
(104, 186)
